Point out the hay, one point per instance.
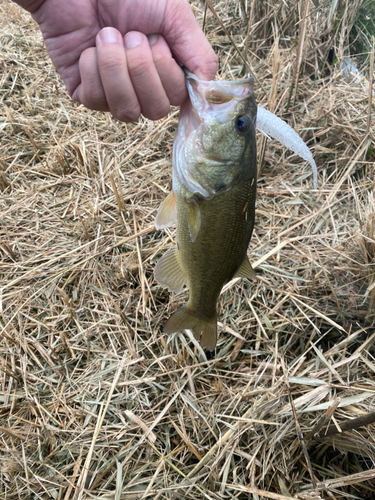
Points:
(95, 401)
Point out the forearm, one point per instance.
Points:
(29, 5)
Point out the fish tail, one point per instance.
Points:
(204, 330)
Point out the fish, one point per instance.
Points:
(212, 203)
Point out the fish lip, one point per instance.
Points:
(232, 83)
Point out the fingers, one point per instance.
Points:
(187, 40)
(90, 92)
(105, 81)
(114, 74)
(170, 73)
(144, 76)
(131, 75)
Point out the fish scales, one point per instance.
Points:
(220, 247)
(212, 203)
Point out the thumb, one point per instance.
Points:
(187, 41)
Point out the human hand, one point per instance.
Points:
(116, 55)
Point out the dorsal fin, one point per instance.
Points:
(166, 215)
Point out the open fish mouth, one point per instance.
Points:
(218, 98)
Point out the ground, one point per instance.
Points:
(95, 401)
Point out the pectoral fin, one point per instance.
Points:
(169, 273)
(194, 219)
(166, 215)
(245, 270)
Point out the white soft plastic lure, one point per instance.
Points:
(272, 126)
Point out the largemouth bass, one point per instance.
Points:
(212, 203)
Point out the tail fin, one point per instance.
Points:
(205, 331)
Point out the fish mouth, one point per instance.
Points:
(228, 83)
(216, 93)
(214, 97)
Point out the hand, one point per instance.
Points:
(116, 55)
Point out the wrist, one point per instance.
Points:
(29, 5)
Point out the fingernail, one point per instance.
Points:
(110, 35)
(133, 39)
(153, 38)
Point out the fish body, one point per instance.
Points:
(213, 201)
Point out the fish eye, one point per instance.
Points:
(242, 123)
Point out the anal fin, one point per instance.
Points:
(166, 215)
(245, 270)
(169, 273)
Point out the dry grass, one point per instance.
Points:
(95, 401)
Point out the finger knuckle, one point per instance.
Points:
(84, 99)
(92, 95)
(160, 58)
(140, 66)
(178, 96)
(96, 94)
(127, 114)
(111, 64)
(157, 112)
(94, 105)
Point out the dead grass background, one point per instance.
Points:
(95, 401)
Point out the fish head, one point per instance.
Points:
(215, 142)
